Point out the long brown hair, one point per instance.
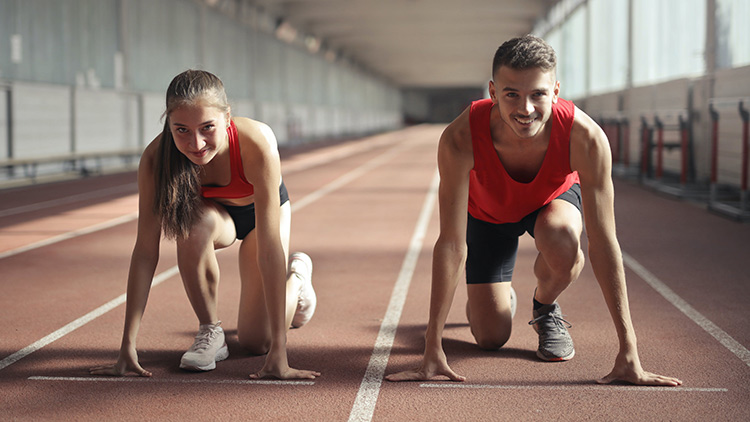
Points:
(177, 200)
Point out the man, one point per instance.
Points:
(525, 160)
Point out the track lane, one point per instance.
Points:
(161, 333)
(358, 235)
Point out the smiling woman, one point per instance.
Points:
(205, 181)
(195, 101)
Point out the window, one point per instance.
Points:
(669, 36)
(732, 33)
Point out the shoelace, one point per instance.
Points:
(293, 270)
(203, 339)
(560, 322)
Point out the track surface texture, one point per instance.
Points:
(365, 211)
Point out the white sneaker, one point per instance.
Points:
(301, 265)
(209, 347)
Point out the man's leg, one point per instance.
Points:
(489, 310)
(557, 232)
(489, 270)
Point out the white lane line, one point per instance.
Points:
(725, 339)
(69, 235)
(296, 205)
(67, 329)
(348, 177)
(339, 152)
(367, 396)
(172, 381)
(612, 388)
(68, 199)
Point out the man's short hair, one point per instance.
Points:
(526, 52)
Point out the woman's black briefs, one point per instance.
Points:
(244, 215)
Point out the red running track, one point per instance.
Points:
(365, 211)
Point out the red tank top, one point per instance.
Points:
(238, 186)
(496, 197)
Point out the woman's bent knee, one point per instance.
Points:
(255, 346)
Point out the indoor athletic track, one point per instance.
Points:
(365, 211)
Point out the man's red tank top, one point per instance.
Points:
(238, 186)
(497, 198)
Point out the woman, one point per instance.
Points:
(207, 180)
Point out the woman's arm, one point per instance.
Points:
(142, 267)
(263, 169)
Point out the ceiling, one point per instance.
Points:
(414, 43)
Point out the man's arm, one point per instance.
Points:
(591, 157)
(455, 161)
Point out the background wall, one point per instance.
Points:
(86, 76)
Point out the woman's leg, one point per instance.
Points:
(196, 259)
(253, 327)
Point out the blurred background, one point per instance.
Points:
(82, 81)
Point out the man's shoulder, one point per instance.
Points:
(457, 134)
(584, 128)
(589, 147)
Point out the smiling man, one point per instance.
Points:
(525, 160)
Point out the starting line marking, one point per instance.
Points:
(171, 381)
(615, 388)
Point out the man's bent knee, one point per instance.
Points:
(491, 339)
(491, 333)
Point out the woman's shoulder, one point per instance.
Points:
(149, 154)
(254, 132)
(248, 126)
(152, 148)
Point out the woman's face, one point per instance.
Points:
(199, 131)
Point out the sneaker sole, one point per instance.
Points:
(560, 359)
(221, 354)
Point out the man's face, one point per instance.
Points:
(524, 98)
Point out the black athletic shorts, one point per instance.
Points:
(244, 216)
(492, 247)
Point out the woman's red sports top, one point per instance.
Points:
(238, 186)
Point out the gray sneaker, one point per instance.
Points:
(209, 347)
(555, 344)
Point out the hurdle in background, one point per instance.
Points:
(739, 210)
(672, 130)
